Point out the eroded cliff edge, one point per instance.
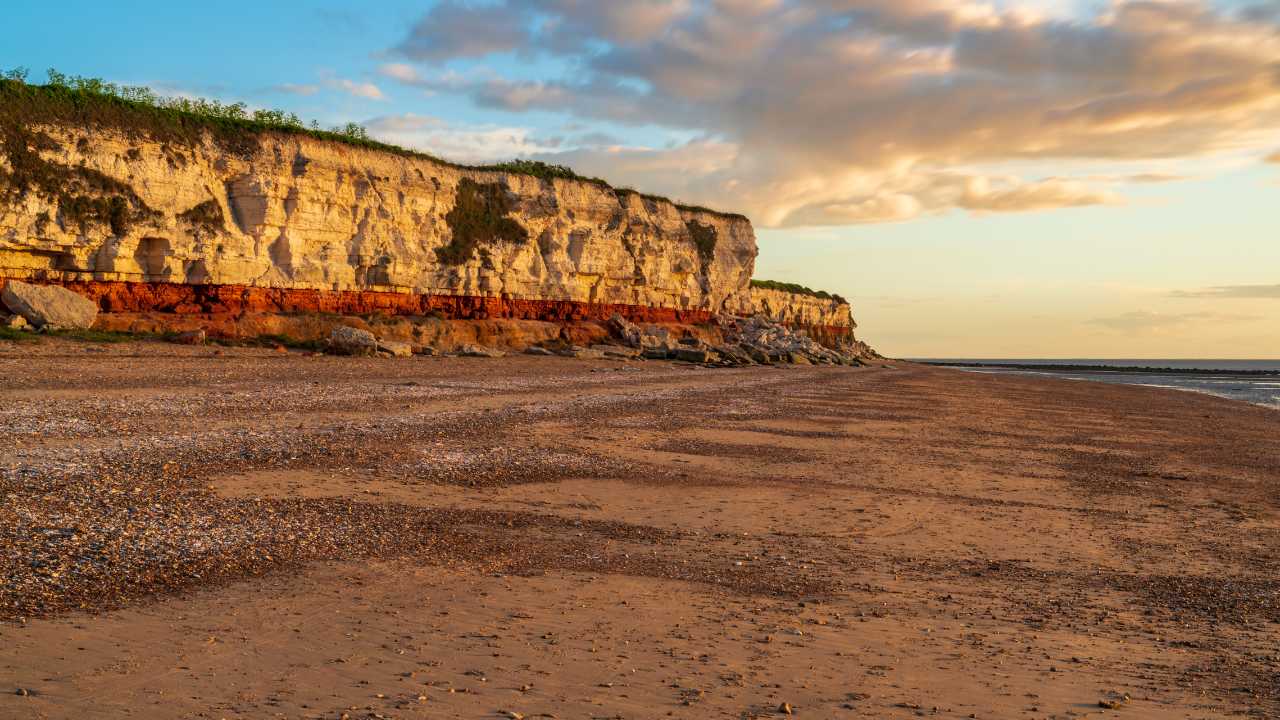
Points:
(183, 219)
(306, 214)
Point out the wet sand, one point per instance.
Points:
(254, 535)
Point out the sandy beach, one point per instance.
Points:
(240, 533)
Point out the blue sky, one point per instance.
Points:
(1007, 179)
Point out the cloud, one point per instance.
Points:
(1273, 158)
(847, 111)
(1152, 178)
(1270, 292)
(295, 89)
(471, 144)
(1042, 195)
(365, 90)
(455, 30)
(400, 71)
(1146, 321)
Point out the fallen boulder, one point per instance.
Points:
(617, 351)
(576, 351)
(478, 351)
(194, 337)
(625, 330)
(49, 306)
(694, 355)
(395, 349)
(346, 340)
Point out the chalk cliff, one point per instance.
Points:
(802, 309)
(307, 214)
(161, 215)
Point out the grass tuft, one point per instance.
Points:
(12, 335)
(99, 336)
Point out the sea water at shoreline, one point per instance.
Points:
(1205, 376)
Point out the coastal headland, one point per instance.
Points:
(243, 533)
(176, 221)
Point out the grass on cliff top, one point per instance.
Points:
(91, 336)
(137, 110)
(797, 289)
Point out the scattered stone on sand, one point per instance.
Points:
(616, 351)
(14, 322)
(581, 353)
(193, 337)
(545, 507)
(49, 306)
(395, 348)
(479, 351)
(535, 350)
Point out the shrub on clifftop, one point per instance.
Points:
(797, 289)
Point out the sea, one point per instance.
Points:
(1251, 381)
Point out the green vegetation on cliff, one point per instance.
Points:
(796, 290)
(704, 238)
(84, 196)
(479, 216)
(140, 111)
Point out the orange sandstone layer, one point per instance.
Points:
(218, 302)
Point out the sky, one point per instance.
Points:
(1011, 178)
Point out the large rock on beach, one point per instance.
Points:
(346, 340)
(49, 306)
(395, 348)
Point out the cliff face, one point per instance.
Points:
(803, 310)
(297, 213)
(827, 320)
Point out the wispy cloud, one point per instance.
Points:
(365, 90)
(1154, 178)
(980, 196)
(1147, 321)
(468, 143)
(296, 89)
(1273, 158)
(1270, 292)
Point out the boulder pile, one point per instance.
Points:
(748, 341)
